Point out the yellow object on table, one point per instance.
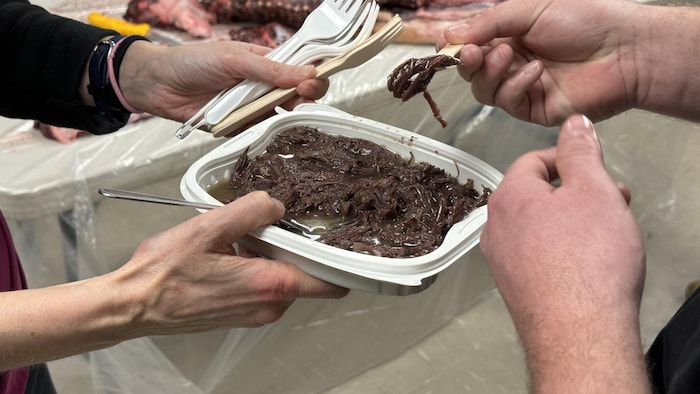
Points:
(120, 25)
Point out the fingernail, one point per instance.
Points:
(497, 57)
(458, 29)
(580, 125)
(308, 69)
(531, 67)
(301, 71)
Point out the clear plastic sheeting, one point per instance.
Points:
(64, 231)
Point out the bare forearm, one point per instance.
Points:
(591, 354)
(668, 60)
(46, 324)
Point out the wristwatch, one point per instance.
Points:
(98, 85)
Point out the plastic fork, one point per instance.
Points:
(362, 29)
(292, 53)
(330, 19)
(352, 58)
(248, 90)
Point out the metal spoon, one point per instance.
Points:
(137, 196)
(312, 232)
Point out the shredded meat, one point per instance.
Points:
(399, 207)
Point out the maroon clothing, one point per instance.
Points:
(43, 58)
(11, 278)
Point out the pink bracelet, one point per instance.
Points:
(113, 79)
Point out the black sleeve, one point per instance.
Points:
(43, 60)
(674, 356)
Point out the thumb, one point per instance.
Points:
(579, 154)
(254, 66)
(507, 19)
(230, 222)
(285, 75)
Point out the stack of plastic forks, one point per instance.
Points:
(353, 57)
(331, 29)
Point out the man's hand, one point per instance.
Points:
(570, 264)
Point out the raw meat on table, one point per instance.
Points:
(288, 13)
(424, 20)
(186, 15)
(65, 135)
(270, 34)
(424, 24)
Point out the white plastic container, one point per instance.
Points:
(382, 275)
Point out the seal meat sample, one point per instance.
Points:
(413, 76)
(374, 201)
(424, 20)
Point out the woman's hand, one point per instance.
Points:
(186, 279)
(190, 278)
(175, 82)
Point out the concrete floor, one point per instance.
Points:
(476, 350)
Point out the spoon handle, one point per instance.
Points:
(293, 225)
(136, 196)
(451, 50)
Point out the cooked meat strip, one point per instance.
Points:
(413, 76)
